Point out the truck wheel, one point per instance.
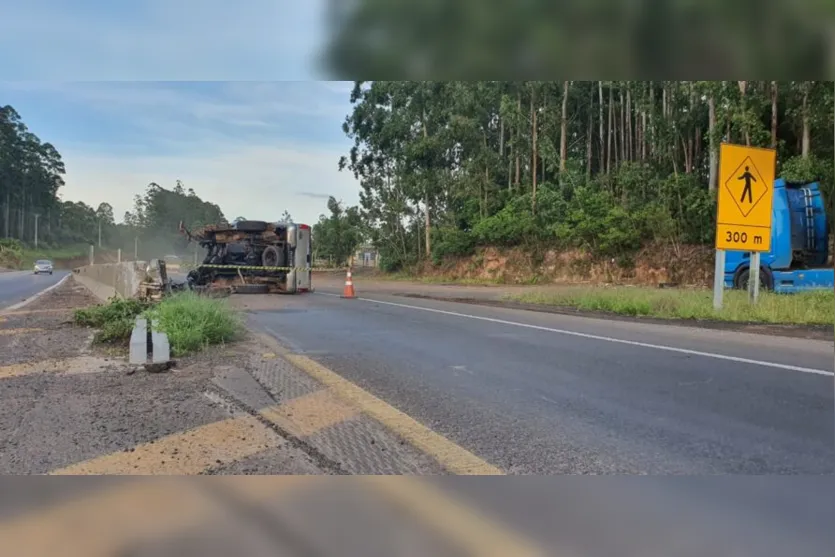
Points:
(742, 278)
(272, 257)
(251, 226)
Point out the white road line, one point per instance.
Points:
(604, 338)
(34, 297)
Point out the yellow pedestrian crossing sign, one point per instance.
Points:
(746, 195)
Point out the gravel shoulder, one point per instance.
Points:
(69, 407)
(63, 401)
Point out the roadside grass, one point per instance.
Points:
(191, 322)
(438, 279)
(194, 322)
(808, 308)
(114, 320)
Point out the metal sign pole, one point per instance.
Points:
(718, 279)
(754, 278)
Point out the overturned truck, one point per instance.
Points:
(253, 257)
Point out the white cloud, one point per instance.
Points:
(258, 182)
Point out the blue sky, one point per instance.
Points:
(219, 95)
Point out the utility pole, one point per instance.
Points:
(136, 248)
(99, 233)
(36, 230)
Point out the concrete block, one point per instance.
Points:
(161, 348)
(139, 343)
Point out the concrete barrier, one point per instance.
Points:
(107, 280)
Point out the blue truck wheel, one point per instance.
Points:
(743, 275)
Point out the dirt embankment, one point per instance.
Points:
(653, 265)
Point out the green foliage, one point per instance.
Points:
(114, 320)
(336, 237)
(450, 241)
(605, 166)
(514, 223)
(191, 322)
(194, 322)
(11, 253)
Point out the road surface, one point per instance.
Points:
(538, 393)
(16, 286)
(548, 394)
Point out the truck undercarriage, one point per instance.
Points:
(247, 256)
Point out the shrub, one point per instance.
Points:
(194, 322)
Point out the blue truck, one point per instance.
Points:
(799, 256)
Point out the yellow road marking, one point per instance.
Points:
(17, 370)
(310, 413)
(454, 458)
(186, 453)
(20, 331)
(64, 366)
(108, 521)
(459, 522)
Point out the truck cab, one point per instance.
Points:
(797, 260)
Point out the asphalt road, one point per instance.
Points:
(549, 394)
(714, 428)
(16, 286)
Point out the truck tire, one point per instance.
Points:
(251, 226)
(742, 277)
(272, 257)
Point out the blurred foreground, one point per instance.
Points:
(393, 516)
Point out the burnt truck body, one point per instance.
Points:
(253, 256)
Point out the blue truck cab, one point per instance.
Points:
(797, 260)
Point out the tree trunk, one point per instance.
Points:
(629, 128)
(773, 114)
(609, 135)
(714, 155)
(510, 161)
(501, 137)
(743, 86)
(564, 125)
(533, 152)
(589, 134)
(6, 220)
(426, 202)
(697, 151)
(483, 205)
(518, 135)
(622, 126)
(807, 140)
(602, 138)
(651, 106)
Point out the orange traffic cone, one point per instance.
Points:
(348, 292)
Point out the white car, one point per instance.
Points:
(43, 266)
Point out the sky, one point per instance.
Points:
(222, 96)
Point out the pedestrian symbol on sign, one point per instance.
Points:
(746, 186)
(747, 176)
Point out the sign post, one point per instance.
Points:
(743, 217)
